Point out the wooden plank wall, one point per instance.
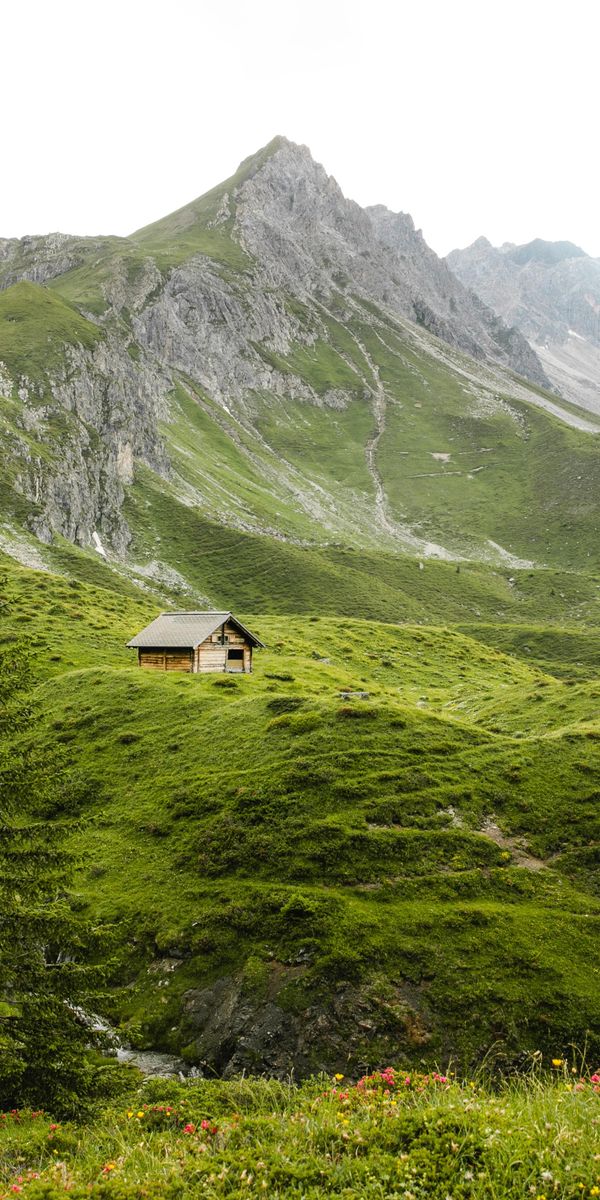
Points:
(178, 660)
(152, 660)
(211, 657)
(166, 660)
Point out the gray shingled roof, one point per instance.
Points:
(185, 630)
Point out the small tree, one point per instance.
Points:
(46, 981)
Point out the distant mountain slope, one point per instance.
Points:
(275, 360)
(551, 292)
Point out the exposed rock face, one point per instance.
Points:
(309, 240)
(41, 258)
(109, 409)
(305, 240)
(454, 314)
(551, 292)
(232, 1031)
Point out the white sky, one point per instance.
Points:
(475, 117)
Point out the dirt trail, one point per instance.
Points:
(521, 856)
(379, 406)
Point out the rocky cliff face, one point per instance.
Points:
(551, 292)
(306, 237)
(39, 259)
(72, 428)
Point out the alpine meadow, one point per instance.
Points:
(380, 844)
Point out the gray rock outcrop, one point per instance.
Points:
(551, 292)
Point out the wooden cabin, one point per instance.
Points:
(196, 642)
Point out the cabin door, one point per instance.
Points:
(235, 658)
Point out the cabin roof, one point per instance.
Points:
(186, 630)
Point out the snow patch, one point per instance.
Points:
(98, 544)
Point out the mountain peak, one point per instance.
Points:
(279, 145)
(546, 253)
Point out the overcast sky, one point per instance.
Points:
(476, 118)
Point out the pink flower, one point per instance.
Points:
(190, 1128)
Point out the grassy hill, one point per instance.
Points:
(426, 854)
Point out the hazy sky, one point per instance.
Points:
(474, 117)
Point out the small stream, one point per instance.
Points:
(149, 1062)
(153, 1062)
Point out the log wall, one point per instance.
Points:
(210, 656)
(166, 660)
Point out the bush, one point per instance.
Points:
(285, 704)
(354, 712)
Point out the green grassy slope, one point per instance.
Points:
(35, 326)
(516, 479)
(413, 844)
(262, 573)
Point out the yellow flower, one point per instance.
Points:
(338, 1077)
(595, 1191)
(139, 1114)
(130, 1114)
(557, 1062)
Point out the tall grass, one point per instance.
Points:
(391, 1134)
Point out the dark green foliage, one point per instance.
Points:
(44, 946)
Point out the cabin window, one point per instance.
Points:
(235, 654)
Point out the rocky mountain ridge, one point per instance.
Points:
(551, 292)
(274, 356)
